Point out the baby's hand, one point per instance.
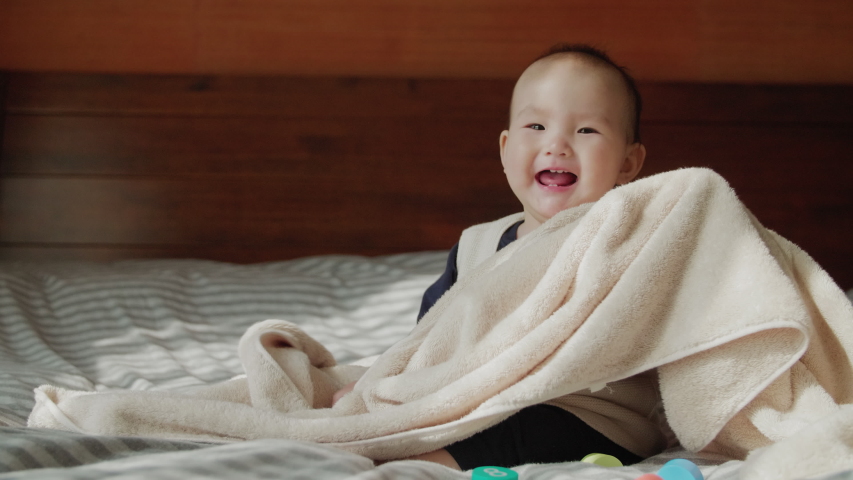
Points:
(340, 393)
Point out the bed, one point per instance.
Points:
(163, 324)
(113, 188)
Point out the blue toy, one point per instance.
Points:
(686, 465)
(678, 469)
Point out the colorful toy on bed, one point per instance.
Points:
(488, 473)
(677, 469)
(602, 460)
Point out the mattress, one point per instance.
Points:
(165, 324)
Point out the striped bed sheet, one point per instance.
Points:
(163, 324)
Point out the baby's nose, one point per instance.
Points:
(559, 146)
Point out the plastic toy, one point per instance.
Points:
(677, 469)
(687, 465)
(491, 473)
(602, 459)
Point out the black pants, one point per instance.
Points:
(537, 434)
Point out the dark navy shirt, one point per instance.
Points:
(448, 278)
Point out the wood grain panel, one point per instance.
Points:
(229, 145)
(779, 158)
(4, 81)
(98, 35)
(737, 103)
(264, 168)
(305, 97)
(337, 148)
(285, 97)
(411, 38)
(772, 41)
(767, 38)
(387, 214)
(423, 38)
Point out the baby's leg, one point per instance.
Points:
(442, 457)
(537, 434)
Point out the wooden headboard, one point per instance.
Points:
(251, 169)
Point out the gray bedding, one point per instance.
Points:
(167, 324)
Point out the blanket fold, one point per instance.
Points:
(752, 342)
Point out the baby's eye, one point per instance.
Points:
(587, 130)
(536, 126)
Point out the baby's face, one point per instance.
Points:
(567, 141)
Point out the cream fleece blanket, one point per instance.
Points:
(752, 341)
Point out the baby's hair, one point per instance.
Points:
(635, 101)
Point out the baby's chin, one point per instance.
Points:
(540, 208)
(543, 213)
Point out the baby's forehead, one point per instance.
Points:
(563, 70)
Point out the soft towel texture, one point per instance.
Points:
(628, 411)
(752, 341)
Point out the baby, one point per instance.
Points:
(573, 135)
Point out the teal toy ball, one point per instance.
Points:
(687, 465)
(491, 473)
(602, 460)
(674, 472)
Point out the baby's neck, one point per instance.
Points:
(526, 227)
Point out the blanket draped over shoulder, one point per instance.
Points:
(752, 341)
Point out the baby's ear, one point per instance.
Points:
(502, 143)
(633, 163)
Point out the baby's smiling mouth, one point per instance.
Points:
(556, 178)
